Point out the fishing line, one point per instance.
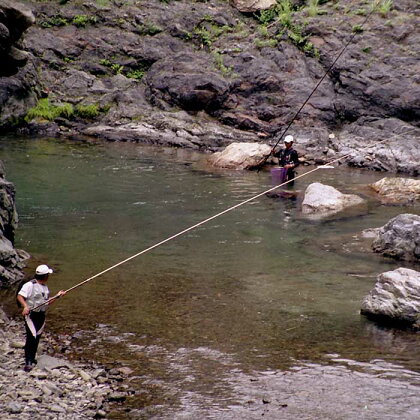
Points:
(201, 223)
(317, 85)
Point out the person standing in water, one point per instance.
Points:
(288, 159)
(32, 294)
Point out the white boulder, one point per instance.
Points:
(241, 156)
(396, 296)
(326, 200)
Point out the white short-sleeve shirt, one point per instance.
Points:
(35, 294)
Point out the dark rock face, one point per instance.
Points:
(14, 20)
(400, 238)
(12, 261)
(143, 63)
(17, 84)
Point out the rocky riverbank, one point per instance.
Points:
(203, 75)
(56, 387)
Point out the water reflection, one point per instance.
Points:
(261, 287)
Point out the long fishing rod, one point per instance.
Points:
(200, 224)
(316, 86)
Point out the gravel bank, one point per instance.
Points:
(55, 388)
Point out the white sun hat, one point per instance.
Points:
(288, 139)
(43, 269)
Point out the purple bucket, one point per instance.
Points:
(278, 176)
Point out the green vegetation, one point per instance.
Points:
(136, 74)
(313, 8)
(87, 111)
(83, 20)
(367, 50)
(115, 67)
(219, 62)
(148, 28)
(263, 43)
(282, 14)
(54, 21)
(208, 32)
(383, 7)
(46, 111)
(357, 29)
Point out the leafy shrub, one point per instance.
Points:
(54, 21)
(148, 28)
(271, 43)
(83, 20)
(87, 111)
(357, 29)
(136, 74)
(46, 111)
(218, 60)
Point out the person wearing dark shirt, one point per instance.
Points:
(288, 158)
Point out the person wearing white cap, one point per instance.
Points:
(32, 295)
(288, 158)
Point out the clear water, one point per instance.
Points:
(261, 285)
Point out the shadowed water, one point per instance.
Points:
(260, 289)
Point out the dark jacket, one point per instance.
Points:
(287, 156)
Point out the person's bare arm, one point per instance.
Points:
(22, 301)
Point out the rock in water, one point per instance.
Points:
(325, 200)
(241, 156)
(397, 190)
(395, 297)
(400, 238)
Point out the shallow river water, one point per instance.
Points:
(255, 313)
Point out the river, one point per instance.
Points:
(254, 313)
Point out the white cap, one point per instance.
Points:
(43, 269)
(288, 139)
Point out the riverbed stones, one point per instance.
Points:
(399, 238)
(241, 156)
(396, 297)
(54, 391)
(323, 200)
(397, 190)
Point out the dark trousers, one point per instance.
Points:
(31, 345)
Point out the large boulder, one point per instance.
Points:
(324, 200)
(397, 190)
(400, 238)
(395, 297)
(241, 156)
(12, 260)
(15, 18)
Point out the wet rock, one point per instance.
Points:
(397, 190)
(241, 156)
(396, 297)
(399, 238)
(325, 200)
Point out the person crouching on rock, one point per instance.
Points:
(33, 294)
(288, 159)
